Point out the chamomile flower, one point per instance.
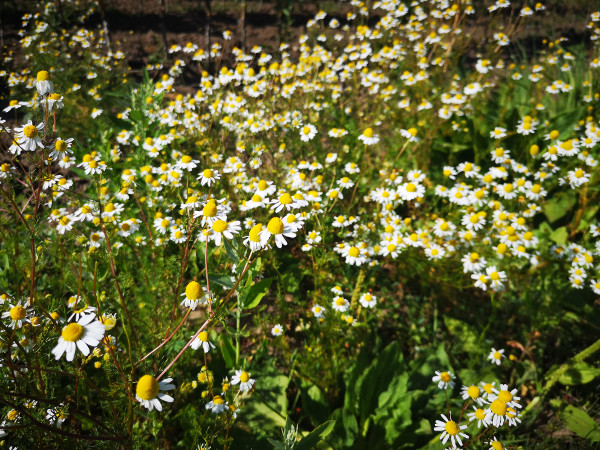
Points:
(307, 132)
(496, 356)
(495, 277)
(86, 332)
(195, 295)
(368, 137)
(222, 229)
(28, 136)
(208, 177)
(279, 229)
(353, 255)
(17, 315)
(147, 392)
(479, 415)
(43, 83)
(368, 300)
(340, 304)
(217, 405)
(411, 191)
(277, 330)
(495, 444)
(242, 378)
(443, 379)
(318, 311)
(472, 392)
(211, 212)
(451, 430)
(202, 341)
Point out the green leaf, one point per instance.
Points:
(580, 373)
(315, 436)
(231, 251)
(268, 408)
(256, 293)
(559, 236)
(558, 207)
(228, 350)
(223, 280)
(276, 444)
(136, 115)
(314, 403)
(465, 338)
(377, 378)
(580, 423)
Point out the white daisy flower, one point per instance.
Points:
(147, 392)
(242, 378)
(86, 332)
(202, 341)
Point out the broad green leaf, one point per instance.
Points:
(256, 293)
(314, 403)
(268, 408)
(276, 444)
(558, 207)
(465, 337)
(580, 423)
(223, 280)
(229, 248)
(228, 350)
(580, 373)
(378, 377)
(315, 436)
(136, 115)
(559, 236)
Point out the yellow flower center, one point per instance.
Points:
(504, 396)
(498, 407)
(445, 377)
(354, 252)
(244, 377)
(72, 332)
(218, 400)
(208, 173)
(219, 226)
(480, 414)
(411, 187)
(368, 133)
(497, 445)
(286, 199)
(43, 75)
(64, 221)
(451, 428)
(473, 392)
(210, 210)
(254, 234)
(147, 387)
(17, 313)
(193, 290)
(203, 336)
(186, 159)
(30, 131)
(262, 185)
(275, 226)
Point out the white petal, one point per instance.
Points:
(83, 348)
(70, 348)
(166, 398)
